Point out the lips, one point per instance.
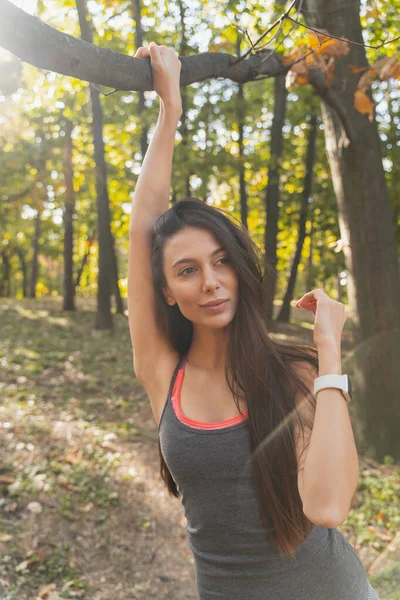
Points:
(214, 303)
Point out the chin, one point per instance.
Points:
(218, 321)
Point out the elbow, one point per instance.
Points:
(329, 518)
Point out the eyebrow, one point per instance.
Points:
(184, 260)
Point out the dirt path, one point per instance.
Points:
(83, 510)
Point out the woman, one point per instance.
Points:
(266, 471)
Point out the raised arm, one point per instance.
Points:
(152, 352)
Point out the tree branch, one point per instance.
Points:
(47, 48)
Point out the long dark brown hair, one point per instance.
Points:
(257, 369)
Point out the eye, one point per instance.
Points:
(184, 271)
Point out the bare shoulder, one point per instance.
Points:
(157, 379)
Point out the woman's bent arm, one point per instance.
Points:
(150, 200)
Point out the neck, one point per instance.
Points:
(208, 349)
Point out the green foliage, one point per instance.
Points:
(32, 143)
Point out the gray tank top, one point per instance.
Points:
(233, 560)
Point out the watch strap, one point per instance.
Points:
(341, 382)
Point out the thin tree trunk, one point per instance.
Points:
(23, 264)
(310, 264)
(35, 257)
(366, 226)
(89, 243)
(119, 305)
(136, 9)
(103, 316)
(272, 194)
(5, 282)
(284, 312)
(183, 129)
(69, 289)
(241, 113)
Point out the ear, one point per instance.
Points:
(168, 296)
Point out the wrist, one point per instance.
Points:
(171, 109)
(329, 359)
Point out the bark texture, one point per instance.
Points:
(272, 193)
(43, 46)
(69, 289)
(367, 229)
(284, 312)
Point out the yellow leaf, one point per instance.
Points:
(317, 39)
(364, 104)
(372, 13)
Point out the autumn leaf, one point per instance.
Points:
(333, 47)
(389, 67)
(356, 69)
(46, 590)
(287, 60)
(317, 39)
(302, 79)
(372, 13)
(364, 104)
(7, 480)
(366, 79)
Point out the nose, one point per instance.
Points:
(210, 282)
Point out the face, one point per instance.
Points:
(198, 270)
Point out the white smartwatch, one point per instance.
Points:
(342, 382)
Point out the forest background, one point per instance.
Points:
(252, 140)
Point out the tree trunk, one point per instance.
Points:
(119, 305)
(183, 129)
(241, 113)
(5, 282)
(272, 194)
(89, 243)
(69, 289)
(103, 316)
(136, 9)
(22, 261)
(310, 264)
(366, 226)
(35, 257)
(284, 312)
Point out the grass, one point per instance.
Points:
(69, 393)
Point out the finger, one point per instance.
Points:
(155, 55)
(138, 52)
(313, 296)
